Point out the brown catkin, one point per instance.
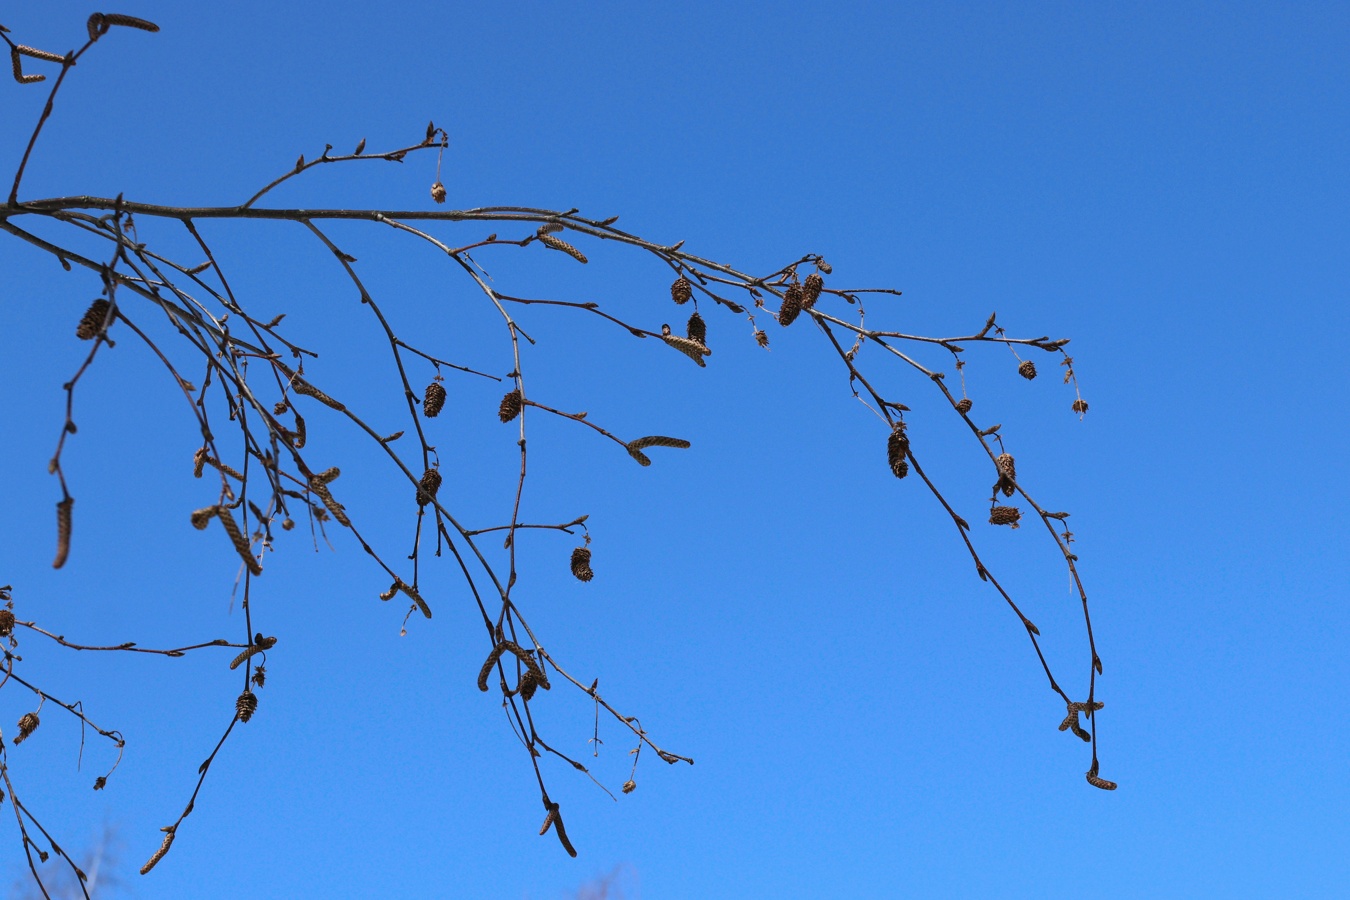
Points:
(559, 244)
(200, 518)
(510, 406)
(697, 329)
(159, 854)
(657, 440)
(1004, 515)
(258, 646)
(129, 22)
(1027, 369)
(434, 400)
(428, 486)
(681, 291)
(6, 622)
(91, 323)
(1097, 782)
(897, 448)
(16, 60)
(246, 705)
(300, 386)
(1080, 406)
(581, 564)
(64, 511)
(1007, 473)
(692, 349)
(963, 405)
(438, 192)
(629, 786)
(238, 539)
(761, 337)
(28, 724)
(811, 290)
(39, 54)
(792, 305)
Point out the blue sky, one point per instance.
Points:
(1163, 183)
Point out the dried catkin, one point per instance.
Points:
(761, 337)
(1027, 369)
(1007, 473)
(681, 291)
(159, 854)
(91, 323)
(129, 22)
(1005, 515)
(963, 405)
(581, 564)
(1096, 782)
(300, 386)
(438, 192)
(897, 448)
(1080, 406)
(629, 786)
(657, 440)
(692, 349)
(241, 544)
(697, 329)
(434, 400)
(6, 622)
(200, 518)
(559, 244)
(28, 723)
(246, 705)
(811, 290)
(39, 54)
(510, 406)
(428, 486)
(258, 646)
(64, 511)
(792, 305)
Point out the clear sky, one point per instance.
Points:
(1166, 184)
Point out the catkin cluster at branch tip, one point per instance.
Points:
(6, 622)
(697, 329)
(963, 405)
(1005, 515)
(28, 723)
(897, 448)
(428, 486)
(91, 323)
(581, 564)
(562, 246)
(811, 289)
(433, 401)
(246, 705)
(681, 291)
(1027, 369)
(438, 192)
(64, 515)
(792, 305)
(510, 406)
